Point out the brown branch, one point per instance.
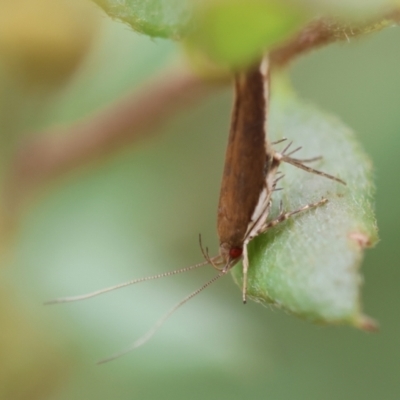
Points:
(55, 152)
(324, 31)
(60, 150)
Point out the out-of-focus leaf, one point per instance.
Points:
(309, 264)
(228, 31)
(158, 18)
(234, 32)
(32, 365)
(43, 41)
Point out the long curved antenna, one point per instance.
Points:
(147, 336)
(121, 285)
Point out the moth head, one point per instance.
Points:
(230, 254)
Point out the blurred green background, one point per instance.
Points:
(140, 213)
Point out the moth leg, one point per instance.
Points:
(279, 141)
(308, 160)
(289, 155)
(245, 264)
(300, 164)
(285, 156)
(283, 216)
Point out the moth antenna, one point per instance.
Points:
(148, 335)
(121, 285)
(277, 189)
(298, 164)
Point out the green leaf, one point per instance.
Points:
(309, 264)
(234, 32)
(156, 18)
(231, 32)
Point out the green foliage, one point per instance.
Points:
(233, 32)
(155, 18)
(139, 212)
(309, 264)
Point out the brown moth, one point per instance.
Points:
(249, 177)
(248, 182)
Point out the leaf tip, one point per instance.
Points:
(361, 239)
(366, 323)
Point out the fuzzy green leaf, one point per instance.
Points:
(309, 264)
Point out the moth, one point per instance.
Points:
(249, 180)
(250, 172)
